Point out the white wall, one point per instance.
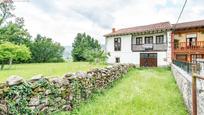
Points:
(168, 34)
(127, 56)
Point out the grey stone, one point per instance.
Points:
(89, 75)
(57, 80)
(65, 81)
(47, 92)
(3, 108)
(68, 75)
(32, 107)
(14, 80)
(58, 99)
(44, 101)
(80, 74)
(34, 101)
(44, 108)
(41, 106)
(67, 107)
(37, 77)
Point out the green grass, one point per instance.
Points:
(140, 92)
(48, 69)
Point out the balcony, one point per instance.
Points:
(189, 47)
(149, 47)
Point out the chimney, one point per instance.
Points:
(113, 30)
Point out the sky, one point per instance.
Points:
(61, 20)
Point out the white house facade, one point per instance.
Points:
(148, 45)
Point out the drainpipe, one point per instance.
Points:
(172, 45)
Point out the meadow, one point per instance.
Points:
(47, 69)
(140, 92)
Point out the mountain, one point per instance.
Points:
(103, 46)
(67, 52)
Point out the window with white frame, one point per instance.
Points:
(117, 44)
(148, 39)
(160, 39)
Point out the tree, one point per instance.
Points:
(96, 56)
(15, 33)
(6, 9)
(83, 43)
(10, 52)
(12, 31)
(45, 50)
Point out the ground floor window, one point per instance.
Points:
(117, 60)
(194, 57)
(181, 57)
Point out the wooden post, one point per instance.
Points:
(172, 46)
(194, 95)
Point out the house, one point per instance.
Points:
(148, 45)
(188, 41)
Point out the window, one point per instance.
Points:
(181, 57)
(117, 60)
(117, 44)
(191, 39)
(148, 55)
(194, 57)
(149, 40)
(138, 40)
(160, 39)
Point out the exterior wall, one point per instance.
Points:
(169, 46)
(127, 56)
(182, 37)
(184, 83)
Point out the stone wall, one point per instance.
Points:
(184, 83)
(43, 96)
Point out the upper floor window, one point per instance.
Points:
(149, 40)
(117, 44)
(160, 39)
(137, 41)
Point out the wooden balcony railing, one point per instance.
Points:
(189, 46)
(153, 47)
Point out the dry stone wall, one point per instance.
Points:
(185, 85)
(43, 96)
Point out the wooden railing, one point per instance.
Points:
(194, 89)
(153, 47)
(188, 45)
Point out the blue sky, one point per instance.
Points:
(63, 19)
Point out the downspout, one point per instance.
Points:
(172, 45)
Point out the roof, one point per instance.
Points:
(198, 23)
(145, 28)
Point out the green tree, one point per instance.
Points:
(45, 50)
(15, 33)
(12, 31)
(6, 9)
(10, 52)
(82, 44)
(96, 56)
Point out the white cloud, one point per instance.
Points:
(63, 19)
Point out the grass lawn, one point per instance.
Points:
(140, 92)
(48, 69)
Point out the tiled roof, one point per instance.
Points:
(199, 23)
(145, 28)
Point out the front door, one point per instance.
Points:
(148, 59)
